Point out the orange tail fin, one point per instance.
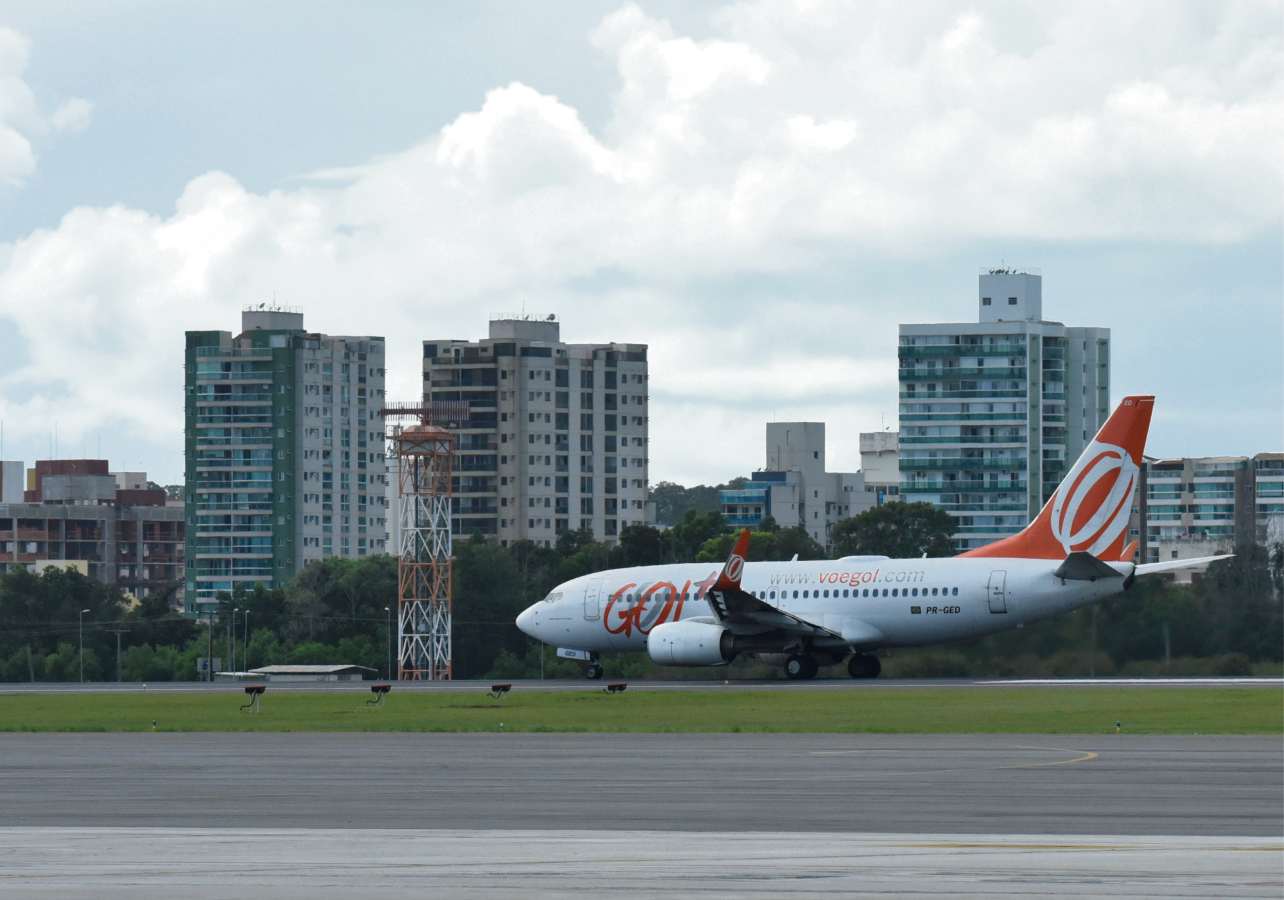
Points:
(1091, 507)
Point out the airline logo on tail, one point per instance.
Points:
(1091, 507)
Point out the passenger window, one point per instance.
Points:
(956, 592)
(914, 592)
(933, 592)
(795, 595)
(804, 595)
(894, 592)
(884, 592)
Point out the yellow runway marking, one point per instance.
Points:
(1085, 756)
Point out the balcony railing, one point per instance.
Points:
(962, 462)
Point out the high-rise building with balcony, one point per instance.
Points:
(284, 452)
(993, 412)
(1206, 505)
(555, 438)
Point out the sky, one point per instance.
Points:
(759, 191)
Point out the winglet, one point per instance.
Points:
(729, 577)
(1130, 552)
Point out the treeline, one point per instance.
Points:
(341, 611)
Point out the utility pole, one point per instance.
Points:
(235, 610)
(209, 647)
(82, 645)
(388, 641)
(117, 630)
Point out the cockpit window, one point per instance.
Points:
(553, 597)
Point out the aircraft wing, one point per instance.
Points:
(1170, 565)
(736, 607)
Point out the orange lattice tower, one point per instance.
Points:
(425, 455)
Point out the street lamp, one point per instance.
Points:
(82, 645)
(235, 610)
(388, 673)
(245, 642)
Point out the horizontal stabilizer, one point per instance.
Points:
(1171, 565)
(1083, 566)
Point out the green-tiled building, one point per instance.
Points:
(284, 452)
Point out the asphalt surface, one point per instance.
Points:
(820, 684)
(194, 863)
(530, 815)
(958, 784)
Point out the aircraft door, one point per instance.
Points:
(593, 600)
(998, 592)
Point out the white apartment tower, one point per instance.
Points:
(556, 434)
(992, 412)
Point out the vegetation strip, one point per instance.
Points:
(928, 710)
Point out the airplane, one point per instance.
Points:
(811, 613)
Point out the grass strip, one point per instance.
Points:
(928, 710)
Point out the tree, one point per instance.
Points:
(640, 545)
(896, 529)
(689, 536)
(765, 546)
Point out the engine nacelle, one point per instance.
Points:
(690, 644)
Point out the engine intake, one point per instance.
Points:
(691, 644)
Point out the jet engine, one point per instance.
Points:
(691, 644)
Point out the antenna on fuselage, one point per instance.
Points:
(795, 559)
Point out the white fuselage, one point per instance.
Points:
(873, 602)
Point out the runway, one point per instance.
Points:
(985, 784)
(479, 815)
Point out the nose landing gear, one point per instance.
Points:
(863, 665)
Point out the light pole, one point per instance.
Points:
(235, 610)
(388, 642)
(82, 645)
(245, 640)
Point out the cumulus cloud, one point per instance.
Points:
(769, 149)
(21, 119)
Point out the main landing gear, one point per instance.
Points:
(799, 667)
(862, 665)
(593, 671)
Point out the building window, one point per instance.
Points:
(985, 301)
(1012, 301)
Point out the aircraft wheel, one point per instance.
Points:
(862, 665)
(798, 667)
(593, 672)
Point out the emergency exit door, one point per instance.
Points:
(998, 592)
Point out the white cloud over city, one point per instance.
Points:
(23, 122)
(770, 147)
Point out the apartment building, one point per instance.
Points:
(556, 434)
(75, 513)
(1203, 506)
(284, 451)
(793, 487)
(993, 412)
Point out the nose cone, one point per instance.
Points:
(528, 620)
